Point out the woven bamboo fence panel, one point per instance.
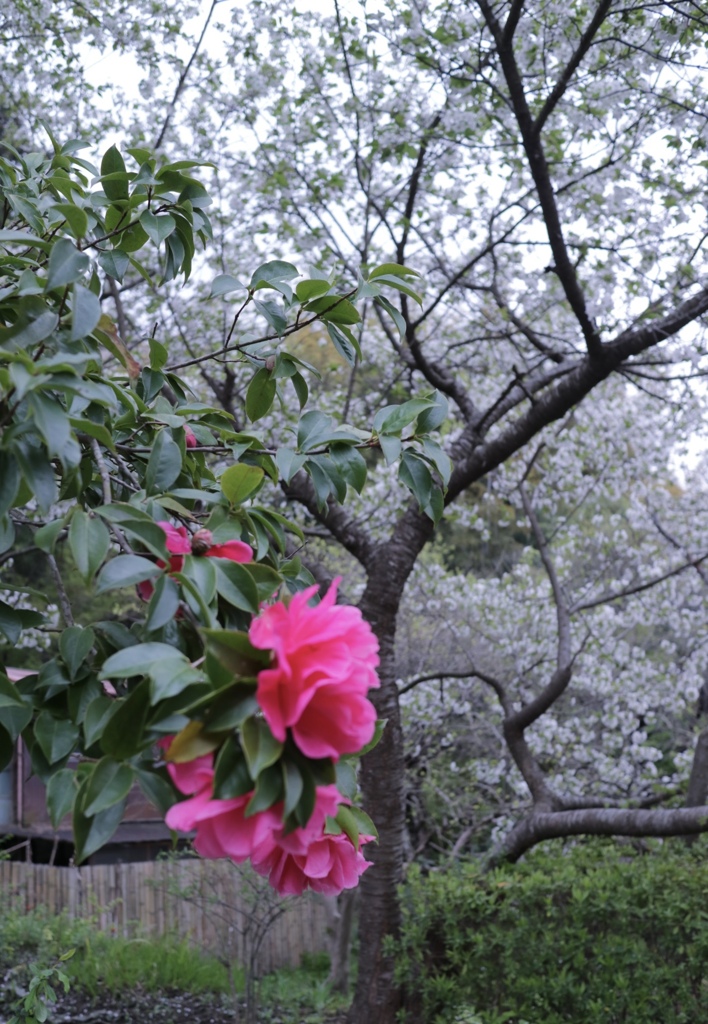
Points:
(215, 905)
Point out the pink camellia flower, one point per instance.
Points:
(324, 662)
(330, 864)
(179, 543)
(190, 438)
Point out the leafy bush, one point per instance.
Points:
(597, 934)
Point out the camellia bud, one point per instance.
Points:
(190, 438)
(270, 363)
(202, 541)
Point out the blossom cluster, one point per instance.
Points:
(308, 857)
(323, 661)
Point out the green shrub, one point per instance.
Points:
(597, 935)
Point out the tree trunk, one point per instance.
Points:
(338, 978)
(698, 781)
(377, 997)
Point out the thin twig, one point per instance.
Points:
(64, 604)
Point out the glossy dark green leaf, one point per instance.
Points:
(61, 791)
(260, 746)
(236, 585)
(334, 309)
(163, 604)
(109, 783)
(164, 464)
(125, 571)
(66, 264)
(350, 463)
(75, 644)
(89, 541)
(91, 833)
(9, 481)
(121, 735)
(75, 217)
(117, 185)
(268, 791)
(85, 312)
(56, 737)
(240, 482)
(231, 775)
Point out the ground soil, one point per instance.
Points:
(137, 1007)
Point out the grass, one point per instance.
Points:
(106, 964)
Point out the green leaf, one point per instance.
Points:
(301, 389)
(236, 585)
(114, 263)
(439, 458)
(393, 418)
(240, 481)
(273, 312)
(139, 659)
(433, 417)
(39, 476)
(346, 779)
(350, 464)
(260, 395)
(311, 289)
(108, 784)
(158, 791)
(163, 604)
(14, 620)
(75, 644)
(9, 481)
(231, 776)
(85, 312)
(158, 354)
(56, 737)
(117, 185)
(394, 313)
(75, 217)
(415, 474)
(11, 237)
(7, 533)
(347, 347)
(61, 790)
(260, 747)
(202, 572)
(122, 733)
(269, 789)
(393, 270)
(288, 463)
(224, 284)
(52, 422)
(66, 264)
(235, 652)
(164, 464)
(89, 541)
(293, 786)
(125, 571)
(91, 833)
(267, 580)
(391, 448)
(46, 536)
(157, 228)
(378, 733)
(335, 309)
(35, 322)
(400, 286)
(271, 273)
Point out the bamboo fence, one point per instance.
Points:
(213, 904)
